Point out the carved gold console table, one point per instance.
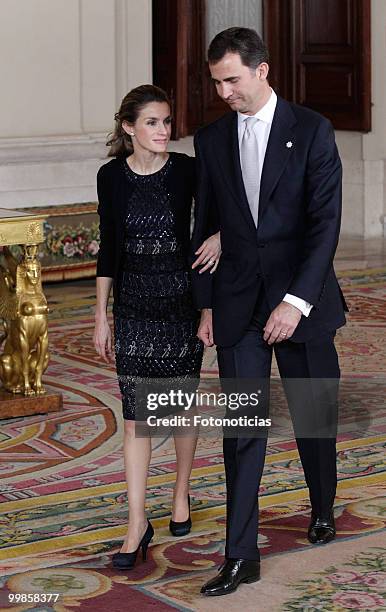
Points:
(23, 312)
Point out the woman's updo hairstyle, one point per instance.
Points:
(120, 142)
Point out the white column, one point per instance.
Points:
(65, 67)
(39, 68)
(223, 14)
(374, 143)
(97, 64)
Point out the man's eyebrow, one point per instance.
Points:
(227, 79)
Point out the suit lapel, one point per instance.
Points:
(228, 156)
(280, 147)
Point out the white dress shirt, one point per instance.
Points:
(262, 130)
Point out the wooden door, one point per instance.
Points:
(320, 57)
(170, 51)
(179, 64)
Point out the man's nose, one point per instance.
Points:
(225, 90)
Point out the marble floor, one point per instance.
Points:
(358, 254)
(352, 254)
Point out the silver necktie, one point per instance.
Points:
(249, 157)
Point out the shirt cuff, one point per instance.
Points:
(304, 307)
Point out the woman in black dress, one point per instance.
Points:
(145, 199)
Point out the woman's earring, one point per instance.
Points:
(131, 134)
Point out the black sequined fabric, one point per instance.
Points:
(155, 322)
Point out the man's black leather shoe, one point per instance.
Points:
(320, 530)
(232, 573)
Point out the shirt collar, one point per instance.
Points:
(266, 113)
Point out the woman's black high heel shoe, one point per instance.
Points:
(127, 560)
(181, 528)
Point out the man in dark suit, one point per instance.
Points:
(269, 178)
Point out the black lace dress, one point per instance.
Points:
(155, 322)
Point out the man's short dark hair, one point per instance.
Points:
(244, 41)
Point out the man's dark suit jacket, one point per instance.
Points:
(293, 247)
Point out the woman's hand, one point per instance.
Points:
(102, 339)
(208, 254)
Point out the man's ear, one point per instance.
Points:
(262, 71)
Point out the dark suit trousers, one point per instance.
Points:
(244, 458)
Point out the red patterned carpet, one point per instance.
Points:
(63, 503)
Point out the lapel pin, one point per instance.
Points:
(288, 144)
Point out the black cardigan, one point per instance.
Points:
(114, 190)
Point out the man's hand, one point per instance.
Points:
(282, 323)
(205, 329)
